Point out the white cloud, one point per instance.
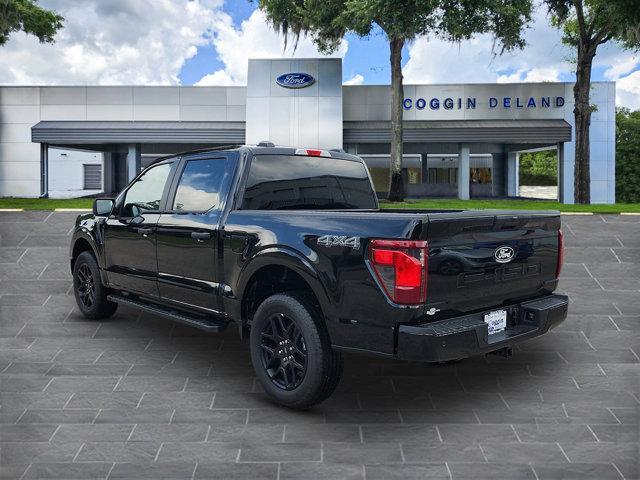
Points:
(217, 78)
(114, 42)
(148, 42)
(628, 91)
(622, 65)
(621, 70)
(545, 58)
(531, 75)
(436, 61)
(357, 79)
(255, 38)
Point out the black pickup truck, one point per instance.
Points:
(290, 246)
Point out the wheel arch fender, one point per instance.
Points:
(83, 241)
(290, 259)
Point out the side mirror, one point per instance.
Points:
(102, 207)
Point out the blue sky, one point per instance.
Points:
(367, 56)
(208, 42)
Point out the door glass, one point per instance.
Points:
(199, 187)
(146, 193)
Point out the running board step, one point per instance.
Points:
(208, 325)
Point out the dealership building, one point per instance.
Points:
(460, 140)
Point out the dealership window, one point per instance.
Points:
(443, 175)
(380, 177)
(92, 175)
(480, 175)
(199, 187)
(414, 176)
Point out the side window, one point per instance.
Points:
(145, 194)
(199, 186)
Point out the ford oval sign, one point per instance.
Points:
(295, 80)
(504, 254)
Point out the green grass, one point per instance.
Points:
(434, 203)
(455, 204)
(45, 203)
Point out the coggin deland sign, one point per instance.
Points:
(469, 103)
(302, 80)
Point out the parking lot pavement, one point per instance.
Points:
(138, 396)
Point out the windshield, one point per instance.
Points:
(290, 182)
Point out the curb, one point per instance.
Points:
(577, 213)
(11, 209)
(72, 210)
(629, 213)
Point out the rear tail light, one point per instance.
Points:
(560, 253)
(311, 152)
(401, 267)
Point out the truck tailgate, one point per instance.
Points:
(484, 259)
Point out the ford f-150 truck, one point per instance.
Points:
(289, 245)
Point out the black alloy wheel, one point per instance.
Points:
(283, 352)
(291, 351)
(85, 285)
(91, 295)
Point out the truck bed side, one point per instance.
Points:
(463, 273)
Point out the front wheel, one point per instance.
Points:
(91, 295)
(291, 352)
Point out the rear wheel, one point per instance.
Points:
(91, 295)
(291, 352)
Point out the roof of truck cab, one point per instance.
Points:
(257, 150)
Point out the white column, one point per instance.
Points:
(463, 171)
(562, 176)
(513, 167)
(133, 160)
(44, 170)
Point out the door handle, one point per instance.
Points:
(145, 231)
(200, 236)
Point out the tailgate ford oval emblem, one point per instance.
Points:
(295, 80)
(504, 254)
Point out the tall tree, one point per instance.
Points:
(327, 21)
(587, 24)
(27, 16)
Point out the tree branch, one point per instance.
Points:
(605, 39)
(592, 25)
(580, 14)
(604, 34)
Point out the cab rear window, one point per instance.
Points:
(292, 182)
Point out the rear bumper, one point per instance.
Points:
(466, 336)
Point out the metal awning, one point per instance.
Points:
(477, 131)
(437, 131)
(59, 132)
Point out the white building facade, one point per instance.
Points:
(459, 140)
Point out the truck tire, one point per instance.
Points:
(90, 293)
(291, 352)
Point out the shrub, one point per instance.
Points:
(627, 156)
(539, 168)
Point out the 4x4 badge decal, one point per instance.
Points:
(339, 241)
